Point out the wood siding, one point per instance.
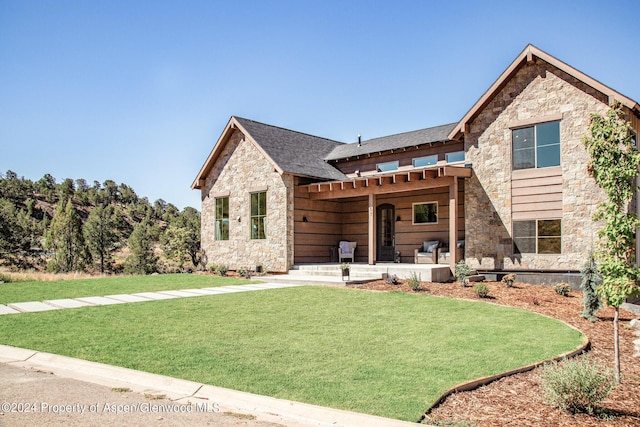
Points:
(536, 193)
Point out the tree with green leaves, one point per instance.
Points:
(614, 162)
(66, 241)
(181, 239)
(142, 259)
(100, 233)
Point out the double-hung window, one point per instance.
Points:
(222, 218)
(259, 215)
(536, 146)
(541, 236)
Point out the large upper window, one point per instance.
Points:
(423, 162)
(536, 146)
(457, 156)
(425, 213)
(542, 236)
(222, 218)
(389, 166)
(259, 215)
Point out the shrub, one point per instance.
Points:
(392, 280)
(576, 385)
(562, 289)
(245, 272)
(481, 290)
(590, 281)
(5, 278)
(462, 272)
(509, 279)
(222, 270)
(212, 267)
(414, 281)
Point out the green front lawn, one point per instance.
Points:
(388, 354)
(40, 291)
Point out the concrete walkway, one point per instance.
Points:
(191, 394)
(57, 304)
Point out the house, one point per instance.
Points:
(508, 182)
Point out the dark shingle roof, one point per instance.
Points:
(393, 142)
(294, 152)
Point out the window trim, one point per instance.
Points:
(256, 236)
(536, 237)
(394, 162)
(535, 125)
(218, 232)
(413, 161)
(413, 213)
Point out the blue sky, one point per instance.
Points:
(138, 91)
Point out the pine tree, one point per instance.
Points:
(66, 240)
(590, 281)
(100, 234)
(142, 259)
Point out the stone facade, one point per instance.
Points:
(536, 91)
(240, 170)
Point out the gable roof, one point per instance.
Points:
(289, 151)
(392, 142)
(529, 55)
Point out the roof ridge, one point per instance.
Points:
(409, 131)
(288, 130)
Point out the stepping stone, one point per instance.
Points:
(67, 303)
(239, 288)
(127, 298)
(180, 294)
(155, 296)
(7, 310)
(31, 306)
(203, 291)
(100, 300)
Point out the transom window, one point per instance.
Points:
(259, 215)
(455, 157)
(388, 166)
(425, 213)
(222, 218)
(423, 162)
(536, 146)
(542, 236)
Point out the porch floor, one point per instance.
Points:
(330, 273)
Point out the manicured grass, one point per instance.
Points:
(40, 291)
(389, 354)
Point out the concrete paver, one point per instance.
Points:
(128, 298)
(155, 295)
(67, 303)
(31, 306)
(7, 310)
(100, 300)
(180, 294)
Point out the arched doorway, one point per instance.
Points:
(385, 232)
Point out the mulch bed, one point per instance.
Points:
(518, 400)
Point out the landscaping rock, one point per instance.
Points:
(635, 323)
(476, 278)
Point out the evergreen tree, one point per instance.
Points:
(100, 233)
(590, 281)
(142, 259)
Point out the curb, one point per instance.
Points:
(293, 414)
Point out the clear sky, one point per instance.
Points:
(139, 91)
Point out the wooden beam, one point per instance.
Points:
(372, 229)
(382, 189)
(453, 224)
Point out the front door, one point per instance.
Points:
(385, 226)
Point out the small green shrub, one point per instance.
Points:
(576, 385)
(222, 270)
(245, 272)
(5, 278)
(212, 267)
(562, 289)
(481, 290)
(509, 279)
(414, 281)
(462, 272)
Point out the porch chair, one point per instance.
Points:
(428, 252)
(347, 250)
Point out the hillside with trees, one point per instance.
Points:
(98, 228)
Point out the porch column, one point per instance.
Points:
(453, 224)
(372, 229)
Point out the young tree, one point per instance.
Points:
(100, 233)
(590, 281)
(66, 240)
(614, 161)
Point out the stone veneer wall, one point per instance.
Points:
(535, 91)
(240, 170)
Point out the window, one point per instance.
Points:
(536, 146)
(386, 167)
(542, 236)
(425, 213)
(458, 156)
(259, 215)
(222, 218)
(423, 162)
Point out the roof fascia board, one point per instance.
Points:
(529, 54)
(217, 148)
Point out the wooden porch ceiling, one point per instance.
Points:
(395, 182)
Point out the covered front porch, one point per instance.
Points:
(378, 212)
